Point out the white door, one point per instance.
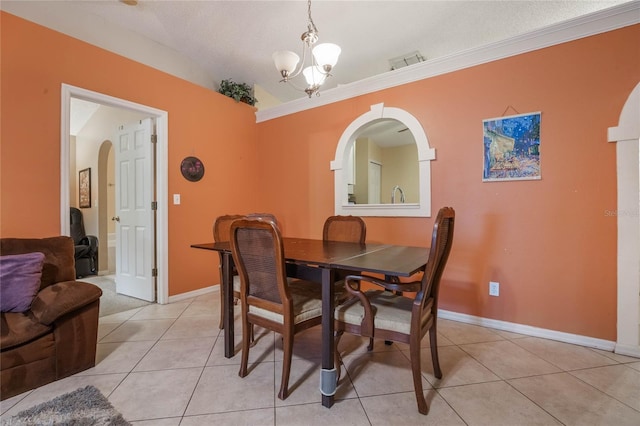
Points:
(135, 217)
(375, 171)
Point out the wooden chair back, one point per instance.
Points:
(222, 227)
(350, 229)
(259, 257)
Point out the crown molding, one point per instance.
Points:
(595, 23)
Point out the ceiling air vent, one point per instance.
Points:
(406, 60)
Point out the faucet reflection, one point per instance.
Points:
(393, 194)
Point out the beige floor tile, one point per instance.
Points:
(574, 402)
(106, 383)
(6, 404)
(402, 409)
(259, 417)
(495, 404)
(616, 357)
(157, 311)
(212, 297)
(509, 334)
(220, 389)
(508, 360)
(564, 355)
(351, 344)
(177, 353)
(344, 412)
(425, 343)
(106, 328)
(306, 344)
(304, 383)
(191, 327)
(458, 368)
(634, 365)
(119, 357)
(205, 308)
(261, 351)
(132, 331)
(172, 421)
(460, 333)
(120, 317)
(618, 381)
(151, 395)
(379, 373)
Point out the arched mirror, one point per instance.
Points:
(382, 166)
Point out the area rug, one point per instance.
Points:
(82, 407)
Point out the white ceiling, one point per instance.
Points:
(235, 39)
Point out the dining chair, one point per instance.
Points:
(268, 298)
(350, 229)
(222, 232)
(390, 316)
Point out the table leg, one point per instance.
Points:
(328, 374)
(227, 280)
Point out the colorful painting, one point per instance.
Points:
(512, 148)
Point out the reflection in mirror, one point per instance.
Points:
(384, 165)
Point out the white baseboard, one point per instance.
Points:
(628, 350)
(528, 330)
(194, 293)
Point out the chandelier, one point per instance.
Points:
(321, 59)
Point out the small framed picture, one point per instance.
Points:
(512, 148)
(84, 188)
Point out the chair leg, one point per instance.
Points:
(245, 346)
(287, 343)
(221, 325)
(370, 347)
(434, 351)
(337, 361)
(423, 406)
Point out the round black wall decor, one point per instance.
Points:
(192, 169)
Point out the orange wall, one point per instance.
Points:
(549, 242)
(36, 61)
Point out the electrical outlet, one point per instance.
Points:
(494, 288)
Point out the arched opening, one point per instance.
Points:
(343, 167)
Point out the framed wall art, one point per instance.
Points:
(192, 169)
(512, 148)
(84, 188)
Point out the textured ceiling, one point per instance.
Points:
(235, 39)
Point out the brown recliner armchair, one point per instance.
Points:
(57, 336)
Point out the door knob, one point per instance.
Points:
(116, 218)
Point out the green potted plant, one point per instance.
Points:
(241, 92)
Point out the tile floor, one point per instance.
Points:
(164, 365)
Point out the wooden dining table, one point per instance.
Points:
(317, 260)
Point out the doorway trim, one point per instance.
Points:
(162, 217)
(627, 138)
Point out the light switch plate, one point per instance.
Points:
(176, 199)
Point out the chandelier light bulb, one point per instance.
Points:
(326, 55)
(314, 75)
(286, 62)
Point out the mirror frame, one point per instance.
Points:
(425, 155)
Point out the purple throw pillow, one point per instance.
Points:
(19, 280)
